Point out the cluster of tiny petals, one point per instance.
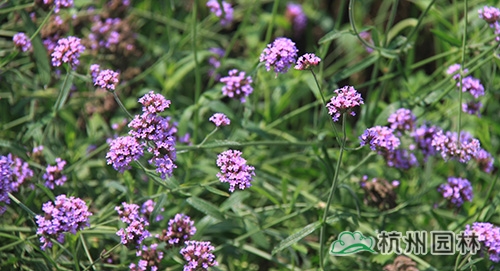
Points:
(59, 4)
(454, 70)
(401, 158)
(488, 235)
(150, 257)
(456, 191)
(473, 86)
(67, 50)
(13, 172)
(380, 139)
(307, 61)
(279, 55)
(346, 99)
(489, 14)
(295, 13)
(154, 103)
(219, 119)
(225, 13)
(64, 215)
(451, 147)
(147, 210)
(123, 151)
(22, 42)
(128, 212)
(106, 79)
(94, 70)
(484, 160)
(402, 120)
(53, 174)
(136, 231)
(237, 85)
(423, 136)
(198, 256)
(234, 170)
(180, 229)
(472, 108)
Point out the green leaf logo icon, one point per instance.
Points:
(352, 242)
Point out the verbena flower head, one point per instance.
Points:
(279, 55)
(123, 151)
(489, 14)
(307, 61)
(346, 99)
(214, 61)
(198, 256)
(456, 191)
(112, 35)
(237, 85)
(154, 103)
(380, 139)
(94, 70)
(128, 212)
(484, 160)
(53, 174)
(151, 257)
(67, 50)
(402, 120)
(220, 119)
(401, 158)
(106, 79)
(234, 170)
(489, 236)
(454, 70)
(147, 209)
(423, 136)
(22, 42)
(450, 147)
(295, 13)
(13, 173)
(180, 229)
(134, 233)
(225, 13)
(472, 108)
(472, 85)
(64, 215)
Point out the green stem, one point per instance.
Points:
(197, 73)
(122, 106)
(270, 26)
(206, 138)
(332, 192)
(324, 103)
(103, 256)
(464, 39)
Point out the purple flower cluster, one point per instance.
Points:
(484, 160)
(423, 136)
(347, 98)
(234, 170)
(13, 172)
(123, 151)
(147, 210)
(489, 14)
(198, 255)
(473, 86)
(53, 174)
(64, 215)
(180, 229)
(58, 4)
(401, 158)
(456, 191)
(469, 84)
(296, 15)
(307, 61)
(488, 235)
(220, 119)
(106, 79)
(472, 108)
(112, 34)
(402, 120)
(380, 139)
(151, 257)
(454, 70)
(450, 147)
(237, 85)
(136, 231)
(214, 61)
(22, 42)
(225, 13)
(279, 55)
(67, 50)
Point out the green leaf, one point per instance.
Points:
(334, 34)
(294, 238)
(446, 37)
(205, 207)
(343, 74)
(235, 199)
(217, 191)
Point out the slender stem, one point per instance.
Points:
(324, 103)
(206, 138)
(464, 39)
(117, 99)
(332, 192)
(269, 30)
(197, 73)
(104, 255)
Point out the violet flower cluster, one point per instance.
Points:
(234, 170)
(135, 232)
(489, 236)
(53, 174)
(296, 15)
(469, 84)
(225, 13)
(279, 55)
(456, 191)
(402, 120)
(58, 4)
(150, 257)
(423, 136)
(491, 16)
(22, 42)
(380, 139)
(214, 62)
(307, 61)
(345, 101)
(105, 79)
(123, 151)
(64, 215)
(484, 160)
(237, 85)
(13, 173)
(219, 119)
(448, 144)
(67, 50)
(198, 256)
(180, 229)
(147, 209)
(112, 34)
